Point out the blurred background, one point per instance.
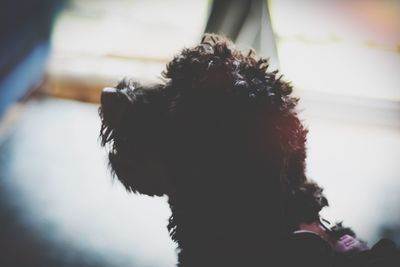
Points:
(58, 203)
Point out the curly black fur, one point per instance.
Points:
(221, 136)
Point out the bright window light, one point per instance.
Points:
(340, 47)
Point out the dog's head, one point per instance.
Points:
(215, 109)
(133, 123)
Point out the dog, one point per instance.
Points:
(219, 135)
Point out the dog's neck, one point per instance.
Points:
(228, 212)
(235, 253)
(228, 232)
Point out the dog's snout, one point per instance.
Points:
(111, 104)
(108, 95)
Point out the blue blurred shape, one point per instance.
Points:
(25, 28)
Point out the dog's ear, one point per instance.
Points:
(133, 130)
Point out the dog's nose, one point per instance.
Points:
(111, 105)
(109, 98)
(109, 90)
(107, 94)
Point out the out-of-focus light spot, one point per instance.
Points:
(340, 68)
(340, 47)
(109, 39)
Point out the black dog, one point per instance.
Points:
(221, 137)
